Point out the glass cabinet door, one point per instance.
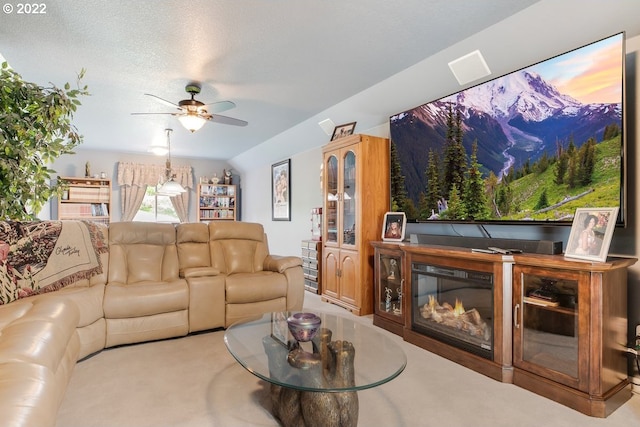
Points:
(548, 329)
(389, 290)
(331, 193)
(349, 199)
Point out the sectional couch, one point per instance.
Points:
(156, 281)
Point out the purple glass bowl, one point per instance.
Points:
(303, 326)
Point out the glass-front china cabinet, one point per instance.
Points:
(355, 197)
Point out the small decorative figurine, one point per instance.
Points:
(214, 179)
(393, 264)
(387, 300)
(398, 309)
(87, 170)
(227, 177)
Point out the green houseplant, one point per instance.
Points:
(35, 129)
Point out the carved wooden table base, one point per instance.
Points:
(330, 365)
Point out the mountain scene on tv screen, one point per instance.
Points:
(533, 145)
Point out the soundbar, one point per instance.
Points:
(545, 247)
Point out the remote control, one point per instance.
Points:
(500, 250)
(483, 251)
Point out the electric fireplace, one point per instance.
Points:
(454, 306)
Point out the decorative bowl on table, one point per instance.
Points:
(303, 326)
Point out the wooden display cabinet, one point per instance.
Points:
(216, 202)
(85, 199)
(570, 331)
(355, 201)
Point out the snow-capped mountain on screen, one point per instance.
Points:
(523, 94)
(520, 112)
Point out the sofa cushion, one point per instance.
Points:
(193, 245)
(238, 256)
(37, 331)
(145, 298)
(244, 288)
(143, 262)
(142, 251)
(237, 247)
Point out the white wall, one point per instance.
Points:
(285, 236)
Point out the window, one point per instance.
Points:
(156, 208)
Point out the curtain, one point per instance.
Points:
(133, 179)
(183, 176)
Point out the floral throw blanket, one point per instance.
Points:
(44, 256)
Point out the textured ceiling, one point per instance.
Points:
(281, 62)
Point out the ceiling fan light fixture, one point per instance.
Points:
(192, 122)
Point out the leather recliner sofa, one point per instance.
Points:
(157, 281)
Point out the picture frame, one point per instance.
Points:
(281, 191)
(591, 233)
(280, 328)
(341, 131)
(393, 226)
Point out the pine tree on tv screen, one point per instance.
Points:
(532, 145)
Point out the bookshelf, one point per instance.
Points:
(216, 202)
(85, 198)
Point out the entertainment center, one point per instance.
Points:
(553, 325)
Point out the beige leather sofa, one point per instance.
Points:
(158, 281)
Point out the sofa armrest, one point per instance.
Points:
(199, 272)
(279, 263)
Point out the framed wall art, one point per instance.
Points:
(591, 233)
(281, 191)
(393, 226)
(343, 130)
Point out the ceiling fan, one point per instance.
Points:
(193, 114)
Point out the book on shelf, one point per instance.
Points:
(76, 209)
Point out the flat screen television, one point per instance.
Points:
(530, 146)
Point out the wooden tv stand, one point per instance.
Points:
(570, 348)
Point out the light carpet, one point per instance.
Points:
(194, 381)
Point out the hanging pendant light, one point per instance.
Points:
(170, 187)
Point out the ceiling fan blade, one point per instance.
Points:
(219, 107)
(164, 101)
(226, 120)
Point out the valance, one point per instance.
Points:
(140, 174)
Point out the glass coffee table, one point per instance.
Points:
(315, 383)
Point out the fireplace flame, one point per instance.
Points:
(458, 309)
(432, 302)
